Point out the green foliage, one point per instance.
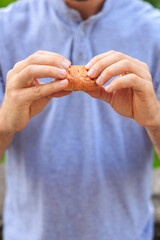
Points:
(156, 162)
(4, 3)
(155, 3)
(3, 159)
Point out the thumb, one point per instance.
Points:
(37, 106)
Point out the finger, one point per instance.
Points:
(43, 90)
(122, 67)
(51, 59)
(95, 93)
(100, 93)
(27, 76)
(97, 58)
(61, 94)
(128, 81)
(107, 61)
(42, 52)
(36, 82)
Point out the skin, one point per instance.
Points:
(86, 8)
(26, 96)
(131, 95)
(30, 95)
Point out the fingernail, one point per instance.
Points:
(63, 82)
(108, 88)
(88, 65)
(99, 80)
(66, 64)
(91, 72)
(62, 72)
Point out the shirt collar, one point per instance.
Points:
(72, 16)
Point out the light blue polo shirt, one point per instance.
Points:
(79, 171)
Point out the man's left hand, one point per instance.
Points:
(131, 93)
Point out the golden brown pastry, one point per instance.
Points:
(78, 79)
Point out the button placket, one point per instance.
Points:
(80, 45)
(82, 32)
(82, 49)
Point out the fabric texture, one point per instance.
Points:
(79, 170)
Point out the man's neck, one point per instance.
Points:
(86, 9)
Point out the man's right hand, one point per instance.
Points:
(25, 96)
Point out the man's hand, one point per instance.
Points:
(25, 96)
(131, 94)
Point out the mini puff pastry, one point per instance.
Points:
(79, 80)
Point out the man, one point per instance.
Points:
(79, 167)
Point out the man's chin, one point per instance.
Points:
(80, 0)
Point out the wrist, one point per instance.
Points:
(155, 124)
(154, 117)
(4, 129)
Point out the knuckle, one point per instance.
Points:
(101, 64)
(37, 90)
(9, 74)
(52, 60)
(31, 58)
(16, 65)
(112, 51)
(56, 55)
(119, 55)
(126, 62)
(19, 64)
(29, 70)
(95, 59)
(10, 85)
(98, 66)
(145, 66)
(39, 52)
(149, 76)
(92, 61)
(107, 72)
(50, 71)
(134, 78)
(149, 86)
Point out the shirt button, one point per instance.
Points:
(80, 56)
(82, 32)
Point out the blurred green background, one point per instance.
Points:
(4, 3)
(155, 3)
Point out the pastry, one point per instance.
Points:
(79, 80)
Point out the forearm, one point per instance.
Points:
(5, 136)
(154, 134)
